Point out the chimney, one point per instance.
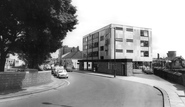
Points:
(158, 56)
(77, 48)
(171, 54)
(73, 49)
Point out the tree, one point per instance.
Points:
(34, 28)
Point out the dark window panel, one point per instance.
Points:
(129, 40)
(144, 43)
(144, 33)
(144, 54)
(119, 39)
(129, 29)
(119, 50)
(118, 28)
(101, 48)
(130, 51)
(101, 38)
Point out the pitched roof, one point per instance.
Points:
(73, 55)
(65, 54)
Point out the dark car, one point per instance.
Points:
(69, 68)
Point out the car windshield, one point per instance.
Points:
(60, 71)
(59, 67)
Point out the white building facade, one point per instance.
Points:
(119, 42)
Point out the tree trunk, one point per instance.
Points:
(30, 63)
(33, 64)
(2, 62)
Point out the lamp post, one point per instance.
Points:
(114, 53)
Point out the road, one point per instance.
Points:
(88, 90)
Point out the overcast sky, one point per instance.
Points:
(165, 17)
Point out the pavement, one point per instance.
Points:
(173, 94)
(54, 84)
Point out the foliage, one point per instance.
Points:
(34, 28)
(176, 63)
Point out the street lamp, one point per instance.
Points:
(114, 53)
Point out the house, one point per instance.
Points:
(70, 58)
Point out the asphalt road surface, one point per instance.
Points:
(88, 90)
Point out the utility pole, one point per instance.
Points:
(114, 53)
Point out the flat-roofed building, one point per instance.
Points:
(119, 42)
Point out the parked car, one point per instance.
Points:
(147, 70)
(69, 68)
(55, 69)
(61, 73)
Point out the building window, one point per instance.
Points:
(144, 44)
(101, 48)
(89, 37)
(119, 39)
(144, 54)
(95, 44)
(129, 40)
(118, 28)
(84, 55)
(95, 35)
(90, 46)
(85, 39)
(119, 50)
(129, 29)
(107, 42)
(95, 54)
(85, 47)
(107, 51)
(101, 38)
(129, 51)
(90, 54)
(101, 57)
(144, 33)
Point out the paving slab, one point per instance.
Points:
(55, 83)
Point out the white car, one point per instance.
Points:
(55, 69)
(61, 73)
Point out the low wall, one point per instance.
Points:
(175, 77)
(19, 80)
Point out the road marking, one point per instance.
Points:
(68, 83)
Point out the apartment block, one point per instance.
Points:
(119, 42)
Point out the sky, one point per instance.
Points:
(165, 17)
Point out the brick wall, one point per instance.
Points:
(103, 67)
(129, 68)
(118, 66)
(19, 80)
